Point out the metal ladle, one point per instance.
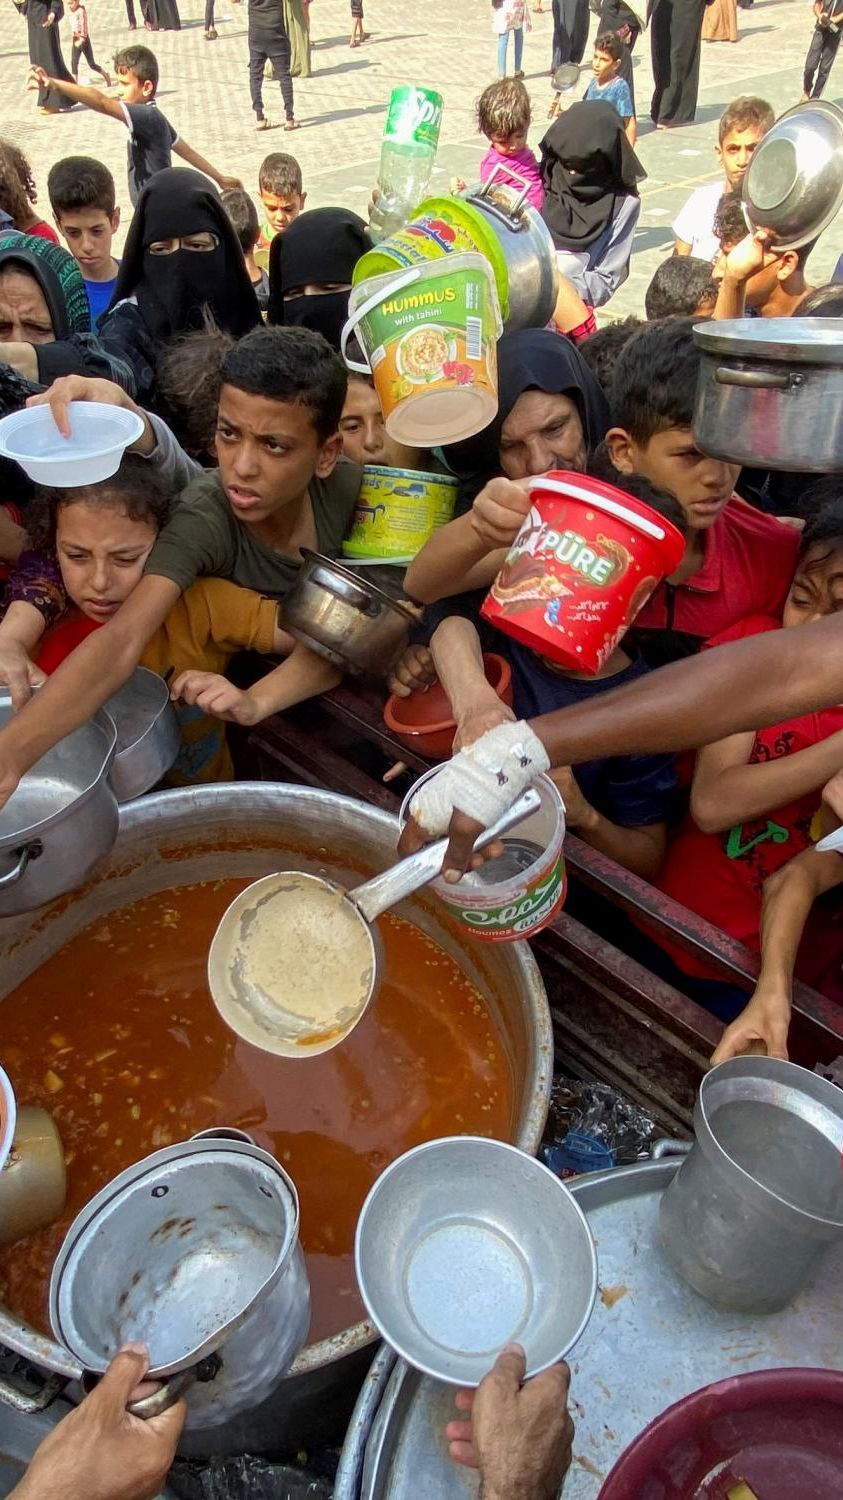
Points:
(304, 933)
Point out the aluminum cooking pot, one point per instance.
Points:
(61, 820)
(353, 624)
(793, 185)
(770, 393)
(195, 1251)
(527, 245)
(148, 738)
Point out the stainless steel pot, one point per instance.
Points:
(61, 820)
(150, 1257)
(353, 624)
(760, 1197)
(770, 393)
(148, 738)
(528, 249)
(793, 185)
(245, 829)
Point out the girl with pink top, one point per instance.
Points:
(503, 116)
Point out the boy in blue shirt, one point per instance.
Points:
(607, 83)
(83, 200)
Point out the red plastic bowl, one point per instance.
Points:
(778, 1431)
(424, 722)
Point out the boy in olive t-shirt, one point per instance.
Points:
(279, 487)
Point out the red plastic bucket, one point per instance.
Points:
(778, 1431)
(585, 561)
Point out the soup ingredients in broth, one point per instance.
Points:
(118, 1037)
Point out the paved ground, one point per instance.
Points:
(205, 92)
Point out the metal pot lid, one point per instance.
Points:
(802, 341)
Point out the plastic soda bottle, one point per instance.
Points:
(409, 146)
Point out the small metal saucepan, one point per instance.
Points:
(194, 1251)
(352, 623)
(295, 961)
(148, 738)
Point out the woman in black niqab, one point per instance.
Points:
(588, 167)
(159, 296)
(310, 270)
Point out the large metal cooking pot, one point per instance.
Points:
(528, 249)
(247, 829)
(793, 185)
(770, 393)
(351, 623)
(61, 820)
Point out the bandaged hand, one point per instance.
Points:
(482, 781)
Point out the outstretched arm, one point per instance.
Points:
(92, 98)
(188, 154)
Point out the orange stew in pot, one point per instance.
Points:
(118, 1037)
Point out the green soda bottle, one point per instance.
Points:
(409, 146)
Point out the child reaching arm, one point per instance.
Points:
(152, 138)
(786, 904)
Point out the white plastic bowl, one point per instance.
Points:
(99, 436)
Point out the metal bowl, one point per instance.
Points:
(148, 738)
(793, 185)
(465, 1244)
(352, 623)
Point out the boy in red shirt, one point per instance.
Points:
(738, 561)
(755, 797)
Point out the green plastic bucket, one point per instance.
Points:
(439, 227)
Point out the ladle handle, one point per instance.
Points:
(409, 875)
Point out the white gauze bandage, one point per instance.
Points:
(483, 780)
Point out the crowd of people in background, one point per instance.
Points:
(220, 324)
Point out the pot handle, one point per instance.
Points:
(28, 852)
(171, 1391)
(756, 380)
(359, 314)
(667, 1147)
(486, 188)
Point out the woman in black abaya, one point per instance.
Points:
(570, 31)
(42, 22)
(616, 16)
(161, 15)
(675, 42)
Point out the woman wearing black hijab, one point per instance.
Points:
(552, 414)
(310, 270)
(590, 175)
(675, 45)
(181, 266)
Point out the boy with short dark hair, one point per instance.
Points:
(681, 287)
(758, 281)
(152, 139)
(281, 193)
(82, 197)
(607, 83)
(244, 218)
(737, 561)
(743, 124)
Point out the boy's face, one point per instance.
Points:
(268, 452)
(281, 208)
(364, 437)
(132, 91)
(89, 232)
(603, 65)
(101, 553)
(817, 587)
(671, 461)
(735, 153)
(509, 145)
